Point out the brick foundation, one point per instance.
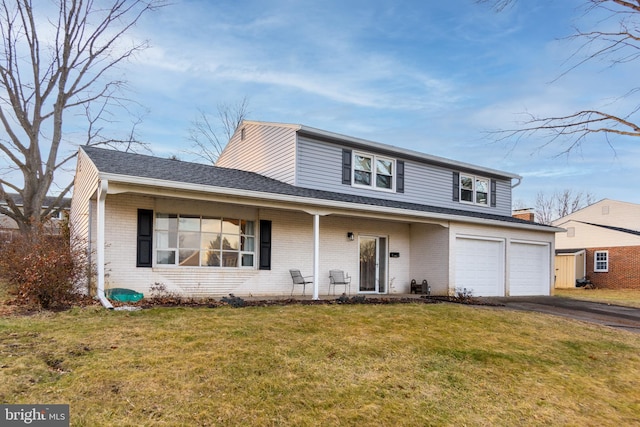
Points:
(624, 268)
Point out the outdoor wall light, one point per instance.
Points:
(350, 235)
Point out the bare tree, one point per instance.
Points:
(550, 207)
(52, 66)
(210, 135)
(618, 47)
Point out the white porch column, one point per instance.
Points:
(100, 242)
(316, 255)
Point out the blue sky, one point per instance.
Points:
(432, 76)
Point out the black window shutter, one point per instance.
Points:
(346, 167)
(400, 176)
(265, 245)
(456, 186)
(144, 257)
(493, 193)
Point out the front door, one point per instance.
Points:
(373, 264)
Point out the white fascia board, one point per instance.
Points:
(307, 204)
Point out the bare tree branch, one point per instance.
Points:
(619, 48)
(550, 207)
(208, 139)
(44, 79)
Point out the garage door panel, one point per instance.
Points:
(480, 266)
(529, 269)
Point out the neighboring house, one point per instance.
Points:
(9, 229)
(293, 197)
(605, 238)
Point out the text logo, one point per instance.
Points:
(34, 415)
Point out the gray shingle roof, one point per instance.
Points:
(139, 165)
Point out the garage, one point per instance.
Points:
(529, 269)
(480, 266)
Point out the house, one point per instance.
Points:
(286, 196)
(9, 228)
(604, 239)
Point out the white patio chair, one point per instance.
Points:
(336, 278)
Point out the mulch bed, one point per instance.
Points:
(15, 308)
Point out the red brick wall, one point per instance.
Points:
(527, 216)
(624, 268)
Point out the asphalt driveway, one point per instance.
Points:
(616, 316)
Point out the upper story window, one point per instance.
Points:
(474, 189)
(601, 261)
(373, 171)
(188, 240)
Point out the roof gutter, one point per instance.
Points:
(296, 200)
(519, 178)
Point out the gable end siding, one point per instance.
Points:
(267, 150)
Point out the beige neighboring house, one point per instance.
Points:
(9, 229)
(602, 242)
(285, 196)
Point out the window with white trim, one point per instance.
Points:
(474, 189)
(601, 261)
(199, 241)
(373, 171)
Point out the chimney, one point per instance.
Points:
(526, 214)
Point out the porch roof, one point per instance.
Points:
(118, 163)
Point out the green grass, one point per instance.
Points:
(364, 365)
(624, 297)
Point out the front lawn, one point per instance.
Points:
(625, 297)
(402, 364)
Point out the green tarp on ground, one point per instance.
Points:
(123, 295)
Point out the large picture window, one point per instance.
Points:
(474, 190)
(199, 241)
(373, 171)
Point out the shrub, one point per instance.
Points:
(464, 295)
(233, 301)
(42, 270)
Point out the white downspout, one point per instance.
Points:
(102, 195)
(316, 255)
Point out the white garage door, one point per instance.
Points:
(529, 269)
(480, 266)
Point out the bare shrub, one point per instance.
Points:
(42, 270)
